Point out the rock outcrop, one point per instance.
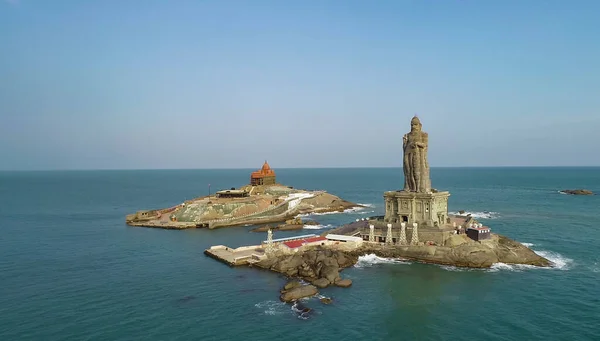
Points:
(320, 266)
(298, 293)
(290, 225)
(464, 252)
(577, 191)
(253, 205)
(344, 283)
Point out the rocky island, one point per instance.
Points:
(416, 226)
(263, 201)
(577, 192)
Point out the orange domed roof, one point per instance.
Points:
(264, 171)
(266, 167)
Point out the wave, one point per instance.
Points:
(528, 244)
(559, 261)
(272, 307)
(372, 259)
(302, 311)
(317, 227)
(478, 215)
(354, 210)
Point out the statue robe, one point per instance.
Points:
(416, 167)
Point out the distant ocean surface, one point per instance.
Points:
(70, 269)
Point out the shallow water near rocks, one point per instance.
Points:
(72, 270)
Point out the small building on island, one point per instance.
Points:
(340, 238)
(264, 176)
(478, 232)
(232, 193)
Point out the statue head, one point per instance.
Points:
(415, 124)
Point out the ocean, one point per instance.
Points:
(70, 269)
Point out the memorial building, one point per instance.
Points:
(417, 202)
(264, 176)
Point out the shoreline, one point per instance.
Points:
(320, 259)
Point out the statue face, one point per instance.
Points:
(414, 126)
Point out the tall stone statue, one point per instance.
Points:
(416, 167)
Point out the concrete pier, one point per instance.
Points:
(244, 255)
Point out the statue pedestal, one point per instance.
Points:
(425, 209)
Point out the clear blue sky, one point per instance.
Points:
(219, 84)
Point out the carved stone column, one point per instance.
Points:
(388, 238)
(402, 239)
(415, 235)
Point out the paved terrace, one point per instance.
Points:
(239, 256)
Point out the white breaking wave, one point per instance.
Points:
(510, 267)
(478, 215)
(303, 315)
(354, 210)
(350, 210)
(528, 244)
(272, 307)
(559, 261)
(455, 268)
(317, 227)
(372, 259)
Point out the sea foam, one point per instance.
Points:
(272, 307)
(558, 262)
(372, 259)
(354, 210)
(317, 227)
(478, 215)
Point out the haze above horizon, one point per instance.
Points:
(308, 84)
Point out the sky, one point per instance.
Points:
(228, 84)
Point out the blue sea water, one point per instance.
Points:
(70, 269)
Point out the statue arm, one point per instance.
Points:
(424, 142)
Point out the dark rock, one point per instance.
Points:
(326, 300)
(577, 191)
(298, 293)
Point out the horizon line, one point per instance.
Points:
(252, 168)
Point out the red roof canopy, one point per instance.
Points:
(298, 243)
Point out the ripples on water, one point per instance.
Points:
(71, 269)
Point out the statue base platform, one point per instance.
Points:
(426, 209)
